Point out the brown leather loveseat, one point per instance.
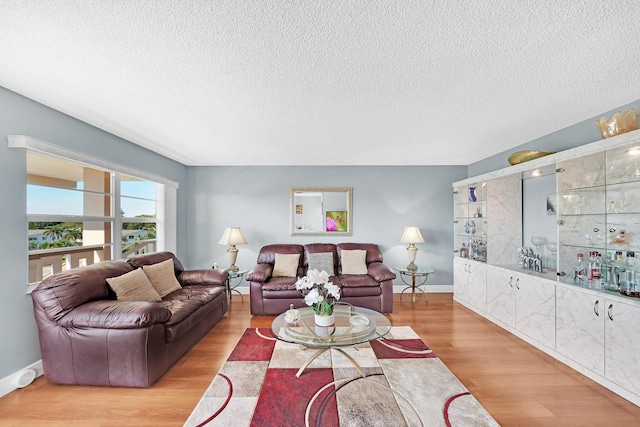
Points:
(273, 291)
(89, 337)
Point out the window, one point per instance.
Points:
(80, 208)
(71, 220)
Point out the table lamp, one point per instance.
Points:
(412, 235)
(232, 236)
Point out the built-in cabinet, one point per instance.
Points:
(523, 303)
(622, 341)
(470, 282)
(600, 333)
(591, 325)
(580, 327)
(476, 235)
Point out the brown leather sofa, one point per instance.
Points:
(88, 337)
(273, 295)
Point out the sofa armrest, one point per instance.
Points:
(113, 314)
(380, 272)
(260, 273)
(211, 276)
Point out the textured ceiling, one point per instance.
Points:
(330, 82)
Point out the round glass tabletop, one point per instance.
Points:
(421, 271)
(353, 325)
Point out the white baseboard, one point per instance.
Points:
(429, 289)
(10, 383)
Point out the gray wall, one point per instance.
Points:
(385, 200)
(21, 116)
(573, 136)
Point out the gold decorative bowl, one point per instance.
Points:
(619, 123)
(524, 156)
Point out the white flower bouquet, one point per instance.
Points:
(322, 295)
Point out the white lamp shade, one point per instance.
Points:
(412, 235)
(232, 236)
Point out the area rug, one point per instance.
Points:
(405, 385)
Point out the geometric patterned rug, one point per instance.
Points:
(405, 385)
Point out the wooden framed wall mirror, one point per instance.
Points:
(323, 211)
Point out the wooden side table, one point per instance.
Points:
(422, 273)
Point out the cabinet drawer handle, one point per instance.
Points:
(517, 282)
(596, 229)
(595, 308)
(511, 281)
(610, 312)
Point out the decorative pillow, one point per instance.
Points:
(133, 286)
(163, 277)
(353, 261)
(321, 261)
(286, 265)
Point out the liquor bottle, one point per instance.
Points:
(597, 271)
(591, 265)
(579, 271)
(618, 270)
(630, 271)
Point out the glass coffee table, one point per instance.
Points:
(354, 325)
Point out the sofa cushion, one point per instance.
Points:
(185, 305)
(281, 284)
(361, 291)
(358, 281)
(353, 261)
(162, 276)
(133, 286)
(138, 261)
(321, 261)
(110, 314)
(286, 265)
(373, 250)
(62, 292)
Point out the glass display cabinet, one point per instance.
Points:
(470, 221)
(599, 220)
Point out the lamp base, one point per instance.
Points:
(233, 268)
(412, 267)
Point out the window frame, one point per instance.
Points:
(166, 199)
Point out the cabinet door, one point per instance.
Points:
(478, 285)
(622, 334)
(501, 295)
(580, 327)
(536, 309)
(461, 279)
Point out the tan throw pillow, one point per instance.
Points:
(163, 277)
(286, 265)
(353, 261)
(133, 286)
(321, 261)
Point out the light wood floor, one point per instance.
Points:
(518, 384)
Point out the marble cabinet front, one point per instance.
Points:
(622, 331)
(580, 327)
(478, 285)
(536, 309)
(501, 295)
(461, 279)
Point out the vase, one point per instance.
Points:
(325, 320)
(472, 194)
